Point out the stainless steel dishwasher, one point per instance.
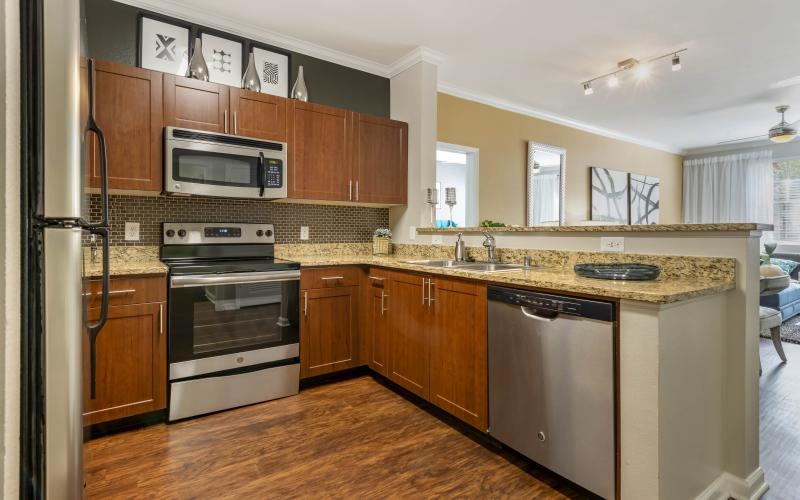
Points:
(551, 383)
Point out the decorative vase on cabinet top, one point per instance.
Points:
(198, 69)
(299, 90)
(251, 79)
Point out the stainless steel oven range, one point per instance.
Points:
(233, 317)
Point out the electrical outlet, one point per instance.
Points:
(131, 231)
(412, 232)
(303, 232)
(436, 239)
(615, 244)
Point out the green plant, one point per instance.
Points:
(769, 249)
(491, 223)
(383, 232)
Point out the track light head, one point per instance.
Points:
(613, 81)
(587, 88)
(676, 62)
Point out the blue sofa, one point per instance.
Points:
(787, 301)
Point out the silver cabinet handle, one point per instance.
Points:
(376, 278)
(235, 124)
(233, 278)
(383, 298)
(160, 319)
(225, 119)
(350, 190)
(111, 292)
(424, 284)
(356, 190)
(305, 305)
(325, 278)
(430, 292)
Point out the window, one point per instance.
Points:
(457, 168)
(786, 201)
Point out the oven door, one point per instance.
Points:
(203, 168)
(222, 322)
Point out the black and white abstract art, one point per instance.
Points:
(644, 199)
(224, 60)
(609, 195)
(274, 71)
(163, 46)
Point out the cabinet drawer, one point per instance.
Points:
(125, 291)
(327, 277)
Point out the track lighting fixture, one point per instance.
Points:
(641, 69)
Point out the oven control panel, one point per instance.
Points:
(185, 233)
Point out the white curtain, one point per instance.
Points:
(546, 192)
(730, 188)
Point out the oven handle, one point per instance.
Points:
(234, 278)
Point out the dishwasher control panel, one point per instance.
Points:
(595, 309)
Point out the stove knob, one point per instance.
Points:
(181, 232)
(259, 233)
(268, 232)
(170, 233)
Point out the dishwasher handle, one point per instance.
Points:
(547, 317)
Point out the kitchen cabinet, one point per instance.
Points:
(320, 153)
(329, 336)
(195, 104)
(377, 327)
(131, 360)
(128, 109)
(410, 324)
(263, 116)
(380, 166)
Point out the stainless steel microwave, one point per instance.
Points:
(211, 164)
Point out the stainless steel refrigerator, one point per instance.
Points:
(55, 221)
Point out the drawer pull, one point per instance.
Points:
(160, 319)
(376, 278)
(326, 278)
(111, 292)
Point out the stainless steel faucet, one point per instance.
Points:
(489, 244)
(460, 249)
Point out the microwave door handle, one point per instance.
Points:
(260, 173)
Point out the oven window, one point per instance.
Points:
(221, 319)
(220, 169)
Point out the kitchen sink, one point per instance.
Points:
(439, 263)
(483, 267)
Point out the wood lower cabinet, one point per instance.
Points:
(377, 328)
(458, 350)
(380, 165)
(328, 330)
(128, 109)
(131, 366)
(195, 104)
(320, 149)
(410, 323)
(254, 114)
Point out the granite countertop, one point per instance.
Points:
(126, 261)
(560, 279)
(634, 228)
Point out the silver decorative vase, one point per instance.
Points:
(198, 69)
(299, 90)
(251, 80)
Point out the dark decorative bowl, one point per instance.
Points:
(625, 271)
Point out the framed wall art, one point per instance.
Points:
(645, 198)
(610, 195)
(273, 67)
(163, 45)
(224, 59)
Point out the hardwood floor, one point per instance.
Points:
(353, 438)
(780, 421)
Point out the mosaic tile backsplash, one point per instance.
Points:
(326, 223)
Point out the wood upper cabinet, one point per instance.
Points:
(380, 160)
(410, 319)
(258, 115)
(128, 109)
(328, 330)
(196, 104)
(131, 370)
(458, 356)
(377, 329)
(320, 152)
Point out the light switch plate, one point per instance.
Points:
(412, 232)
(303, 232)
(615, 244)
(131, 231)
(436, 239)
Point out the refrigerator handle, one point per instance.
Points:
(91, 126)
(94, 329)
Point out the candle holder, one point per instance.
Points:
(450, 201)
(432, 200)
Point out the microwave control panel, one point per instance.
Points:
(273, 173)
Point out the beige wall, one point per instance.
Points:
(502, 139)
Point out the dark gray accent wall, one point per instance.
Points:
(112, 35)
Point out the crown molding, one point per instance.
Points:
(252, 31)
(504, 104)
(417, 55)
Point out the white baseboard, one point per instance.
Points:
(729, 486)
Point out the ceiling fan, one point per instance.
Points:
(782, 132)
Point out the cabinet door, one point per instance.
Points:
(320, 153)
(258, 115)
(328, 330)
(459, 350)
(378, 297)
(131, 369)
(409, 318)
(128, 109)
(381, 160)
(195, 104)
